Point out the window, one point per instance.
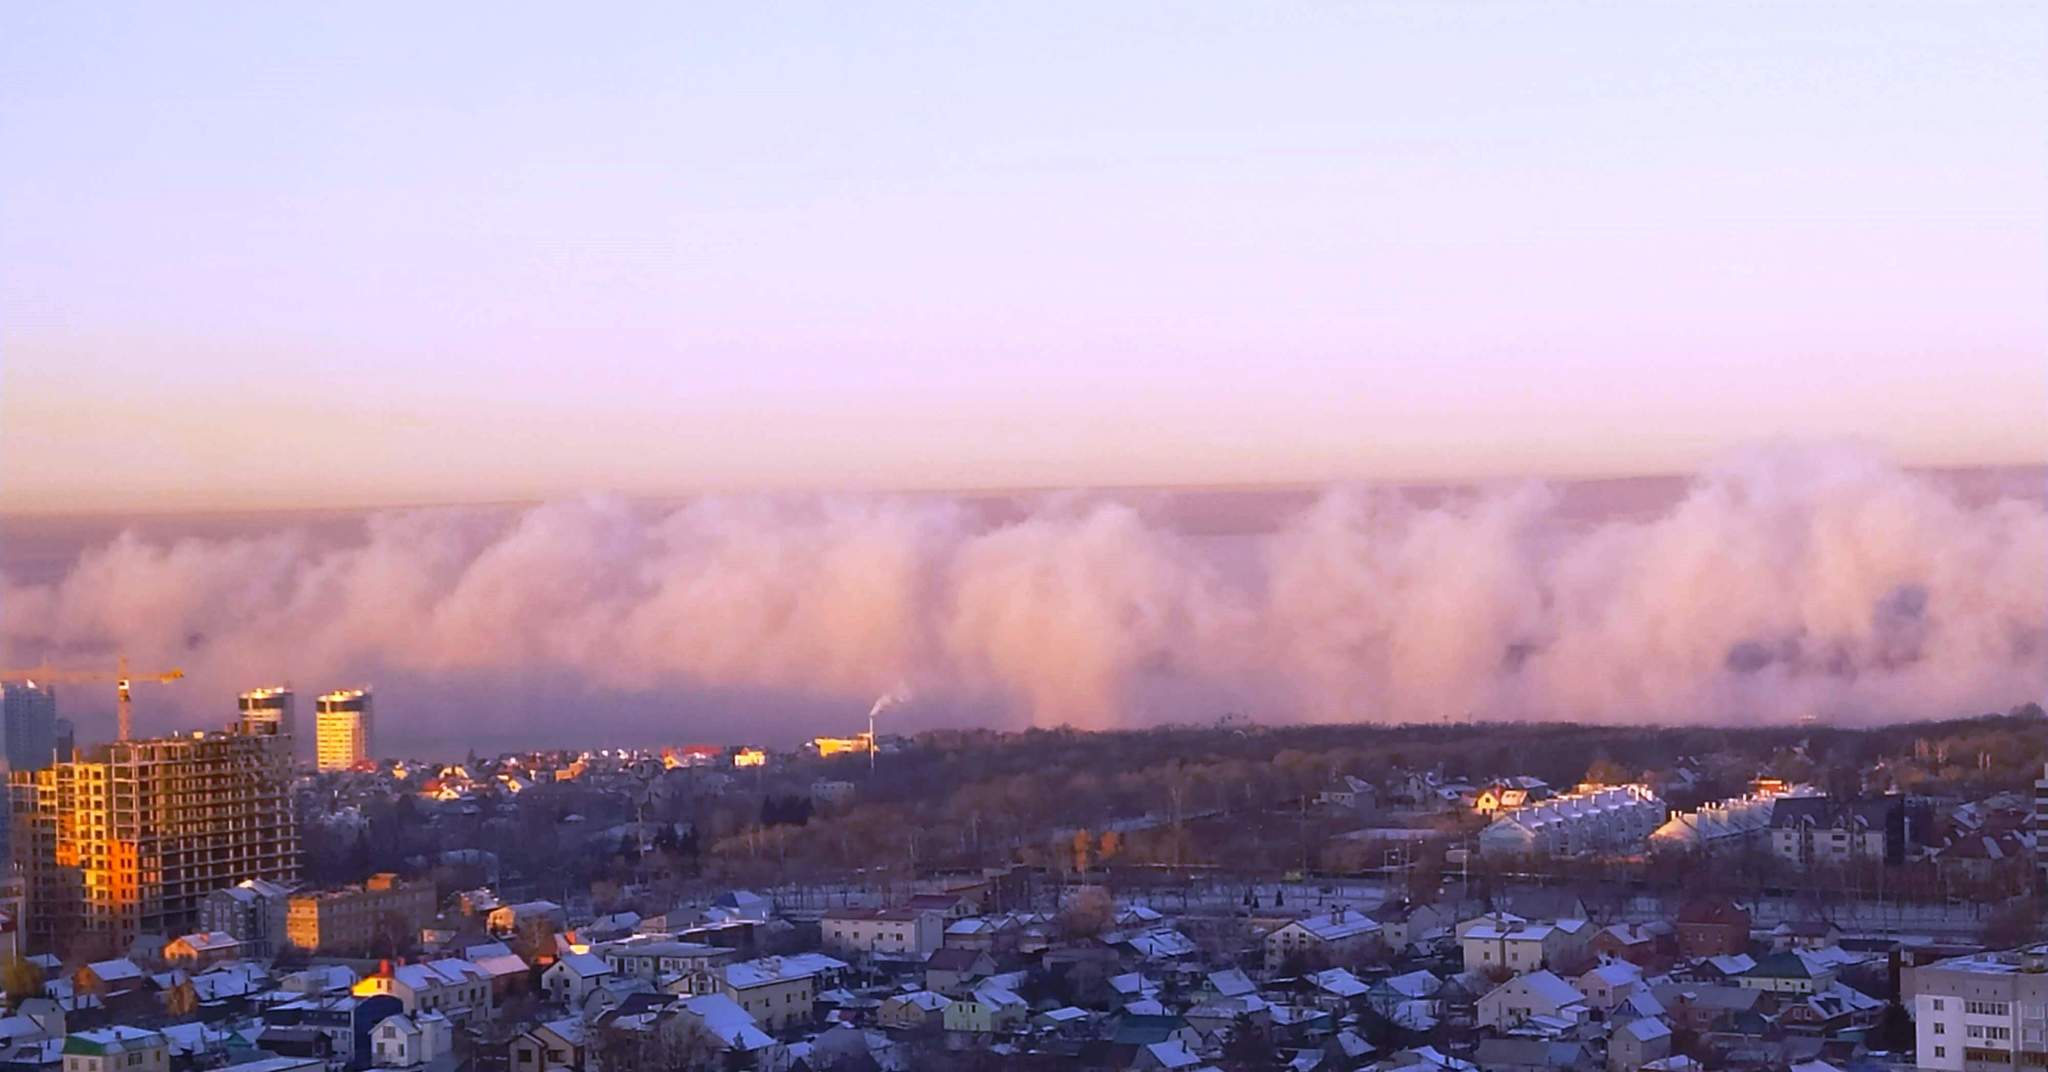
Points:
(1941, 1051)
(1940, 1028)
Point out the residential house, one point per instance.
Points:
(951, 970)
(1339, 937)
(509, 971)
(1609, 984)
(1840, 1008)
(906, 931)
(456, 988)
(1698, 1006)
(117, 1049)
(1532, 1055)
(1509, 794)
(573, 976)
(994, 933)
(1408, 1000)
(554, 1045)
(1641, 944)
(1810, 935)
(776, 991)
(1349, 793)
(1789, 973)
(1405, 923)
(1712, 926)
(1505, 941)
(109, 978)
(408, 1041)
(1531, 995)
(506, 920)
(655, 958)
(987, 1010)
(734, 1037)
(916, 1011)
(202, 949)
(1638, 1042)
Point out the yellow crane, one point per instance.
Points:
(118, 675)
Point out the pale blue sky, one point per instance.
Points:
(278, 255)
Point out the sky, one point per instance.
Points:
(278, 256)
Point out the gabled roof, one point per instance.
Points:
(1718, 911)
(118, 1038)
(1232, 983)
(585, 965)
(209, 941)
(1415, 984)
(1615, 973)
(1646, 1029)
(1547, 985)
(120, 969)
(954, 959)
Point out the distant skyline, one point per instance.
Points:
(261, 257)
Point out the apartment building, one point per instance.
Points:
(1810, 831)
(253, 912)
(907, 931)
(131, 837)
(1340, 936)
(1987, 1010)
(776, 991)
(1614, 818)
(2041, 824)
(658, 958)
(342, 725)
(454, 987)
(354, 919)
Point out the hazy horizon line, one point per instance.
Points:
(1407, 482)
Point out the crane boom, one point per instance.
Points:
(118, 675)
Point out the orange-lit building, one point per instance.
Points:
(833, 746)
(129, 838)
(750, 757)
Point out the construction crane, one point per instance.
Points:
(118, 675)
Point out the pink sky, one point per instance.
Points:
(381, 255)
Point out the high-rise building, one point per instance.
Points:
(268, 710)
(28, 722)
(28, 736)
(130, 837)
(2041, 825)
(342, 724)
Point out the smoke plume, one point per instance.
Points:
(1779, 585)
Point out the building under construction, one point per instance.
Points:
(130, 837)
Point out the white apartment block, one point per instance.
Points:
(1607, 819)
(1986, 1011)
(900, 931)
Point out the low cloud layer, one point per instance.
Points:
(1779, 585)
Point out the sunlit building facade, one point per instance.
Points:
(342, 726)
(130, 837)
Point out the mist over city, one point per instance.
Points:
(1785, 583)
